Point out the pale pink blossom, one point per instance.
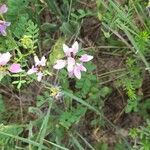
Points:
(73, 63)
(3, 9)
(15, 68)
(37, 68)
(4, 58)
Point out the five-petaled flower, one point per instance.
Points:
(73, 63)
(5, 58)
(38, 67)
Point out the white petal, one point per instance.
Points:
(60, 64)
(4, 58)
(66, 50)
(36, 60)
(43, 61)
(39, 76)
(75, 47)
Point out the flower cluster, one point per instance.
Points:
(4, 59)
(73, 63)
(3, 24)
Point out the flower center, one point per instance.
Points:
(40, 68)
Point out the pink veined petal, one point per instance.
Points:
(66, 50)
(36, 60)
(43, 61)
(81, 67)
(75, 47)
(32, 70)
(39, 76)
(60, 64)
(86, 58)
(15, 68)
(77, 72)
(4, 58)
(70, 64)
(3, 9)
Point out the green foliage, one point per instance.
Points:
(67, 119)
(41, 99)
(144, 108)
(41, 27)
(141, 134)
(32, 31)
(2, 108)
(142, 40)
(18, 16)
(13, 130)
(131, 83)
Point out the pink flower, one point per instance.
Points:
(4, 58)
(74, 65)
(3, 9)
(15, 68)
(37, 68)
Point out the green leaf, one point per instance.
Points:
(68, 118)
(2, 74)
(57, 51)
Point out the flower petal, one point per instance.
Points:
(39, 76)
(15, 68)
(60, 64)
(32, 70)
(75, 47)
(3, 26)
(3, 9)
(81, 67)
(77, 72)
(4, 58)
(70, 63)
(43, 61)
(86, 58)
(66, 50)
(36, 60)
